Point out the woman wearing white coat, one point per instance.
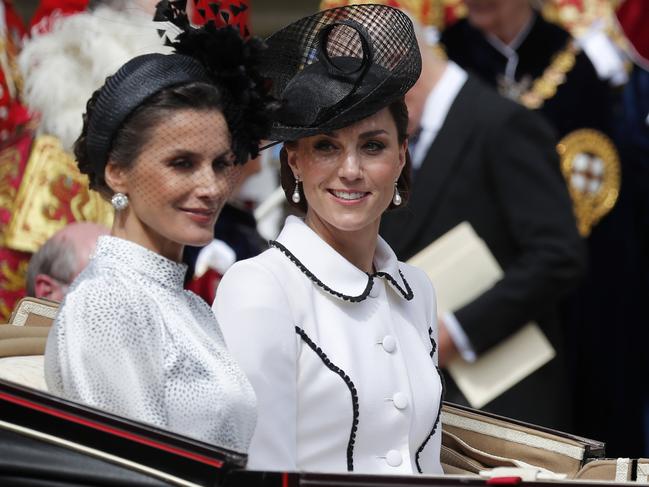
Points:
(336, 336)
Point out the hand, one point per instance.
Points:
(447, 350)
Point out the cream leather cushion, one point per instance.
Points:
(26, 370)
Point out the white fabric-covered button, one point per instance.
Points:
(393, 458)
(400, 400)
(389, 343)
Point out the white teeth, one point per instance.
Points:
(344, 195)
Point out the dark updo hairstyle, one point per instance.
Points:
(399, 112)
(135, 131)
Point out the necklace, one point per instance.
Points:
(534, 93)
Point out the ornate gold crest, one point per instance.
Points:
(52, 194)
(9, 168)
(591, 167)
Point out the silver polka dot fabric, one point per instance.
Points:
(130, 340)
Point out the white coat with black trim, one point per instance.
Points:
(343, 363)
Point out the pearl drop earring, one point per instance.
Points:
(296, 192)
(396, 199)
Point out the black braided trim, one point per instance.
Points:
(433, 343)
(309, 274)
(407, 294)
(439, 411)
(352, 390)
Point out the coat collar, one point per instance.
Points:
(331, 271)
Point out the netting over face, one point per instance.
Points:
(378, 37)
(179, 182)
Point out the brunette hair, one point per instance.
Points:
(399, 112)
(132, 135)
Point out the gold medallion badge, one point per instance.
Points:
(591, 166)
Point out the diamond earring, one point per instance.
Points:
(119, 201)
(296, 192)
(396, 199)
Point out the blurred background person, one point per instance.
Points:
(485, 160)
(617, 312)
(51, 271)
(61, 259)
(509, 45)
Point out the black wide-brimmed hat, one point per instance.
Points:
(339, 66)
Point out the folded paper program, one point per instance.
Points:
(461, 268)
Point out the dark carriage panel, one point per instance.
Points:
(46, 420)
(29, 461)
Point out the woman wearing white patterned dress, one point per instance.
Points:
(163, 139)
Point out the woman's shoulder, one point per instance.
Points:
(415, 274)
(256, 289)
(101, 295)
(269, 267)
(262, 276)
(423, 311)
(419, 282)
(100, 282)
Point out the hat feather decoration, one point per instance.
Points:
(230, 61)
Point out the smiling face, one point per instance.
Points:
(178, 183)
(348, 176)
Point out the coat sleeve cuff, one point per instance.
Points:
(459, 337)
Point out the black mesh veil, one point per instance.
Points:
(339, 66)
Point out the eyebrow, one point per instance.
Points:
(226, 154)
(189, 153)
(371, 133)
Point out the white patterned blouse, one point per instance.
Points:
(130, 340)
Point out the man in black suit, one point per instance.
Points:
(510, 46)
(493, 163)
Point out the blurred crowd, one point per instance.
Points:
(560, 196)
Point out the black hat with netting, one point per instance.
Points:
(339, 66)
